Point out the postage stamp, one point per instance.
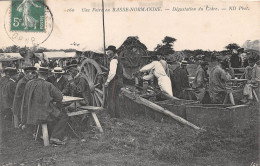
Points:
(28, 15)
(28, 22)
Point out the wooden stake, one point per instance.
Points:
(97, 121)
(45, 135)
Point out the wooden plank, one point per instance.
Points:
(97, 121)
(236, 106)
(45, 135)
(78, 113)
(158, 108)
(71, 99)
(91, 108)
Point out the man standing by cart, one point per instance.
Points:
(114, 81)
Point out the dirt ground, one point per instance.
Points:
(137, 141)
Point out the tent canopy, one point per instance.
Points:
(10, 57)
(58, 55)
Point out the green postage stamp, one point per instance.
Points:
(28, 15)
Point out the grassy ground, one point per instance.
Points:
(137, 141)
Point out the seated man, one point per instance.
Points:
(38, 106)
(29, 74)
(252, 74)
(58, 79)
(78, 87)
(8, 91)
(200, 81)
(218, 79)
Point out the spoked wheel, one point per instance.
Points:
(93, 74)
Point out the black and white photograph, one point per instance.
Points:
(129, 83)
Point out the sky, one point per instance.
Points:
(207, 29)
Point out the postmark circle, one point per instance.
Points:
(28, 23)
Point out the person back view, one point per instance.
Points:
(38, 106)
(30, 73)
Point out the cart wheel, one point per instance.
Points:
(91, 70)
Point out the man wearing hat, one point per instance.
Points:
(29, 74)
(77, 86)
(218, 79)
(38, 106)
(58, 79)
(114, 81)
(8, 91)
(3, 81)
(179, 79)
(200, 81)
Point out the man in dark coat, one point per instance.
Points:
(179, 79)
(38, 106)
(3, 81)
(77, 87)
(8, 91)
(114, 82)
(29, 74)
(200, 81)
(58, 79)
(218, 79)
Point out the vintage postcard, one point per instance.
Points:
(129, 82)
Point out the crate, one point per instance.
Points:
(178, 107)
(219, 116)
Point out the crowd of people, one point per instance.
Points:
(36, 96)
(209, 85)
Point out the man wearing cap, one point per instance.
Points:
(218, 79)
(39, 105)
(180, 80)
(114, 81)
(58, 79)
(29, 74)
(200, 81)
(8, 91)
(77, 87)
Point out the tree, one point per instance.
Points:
(232, 46)
(12, 49)
(166, 47)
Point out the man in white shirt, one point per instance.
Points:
(114, 81)
(156, 68)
